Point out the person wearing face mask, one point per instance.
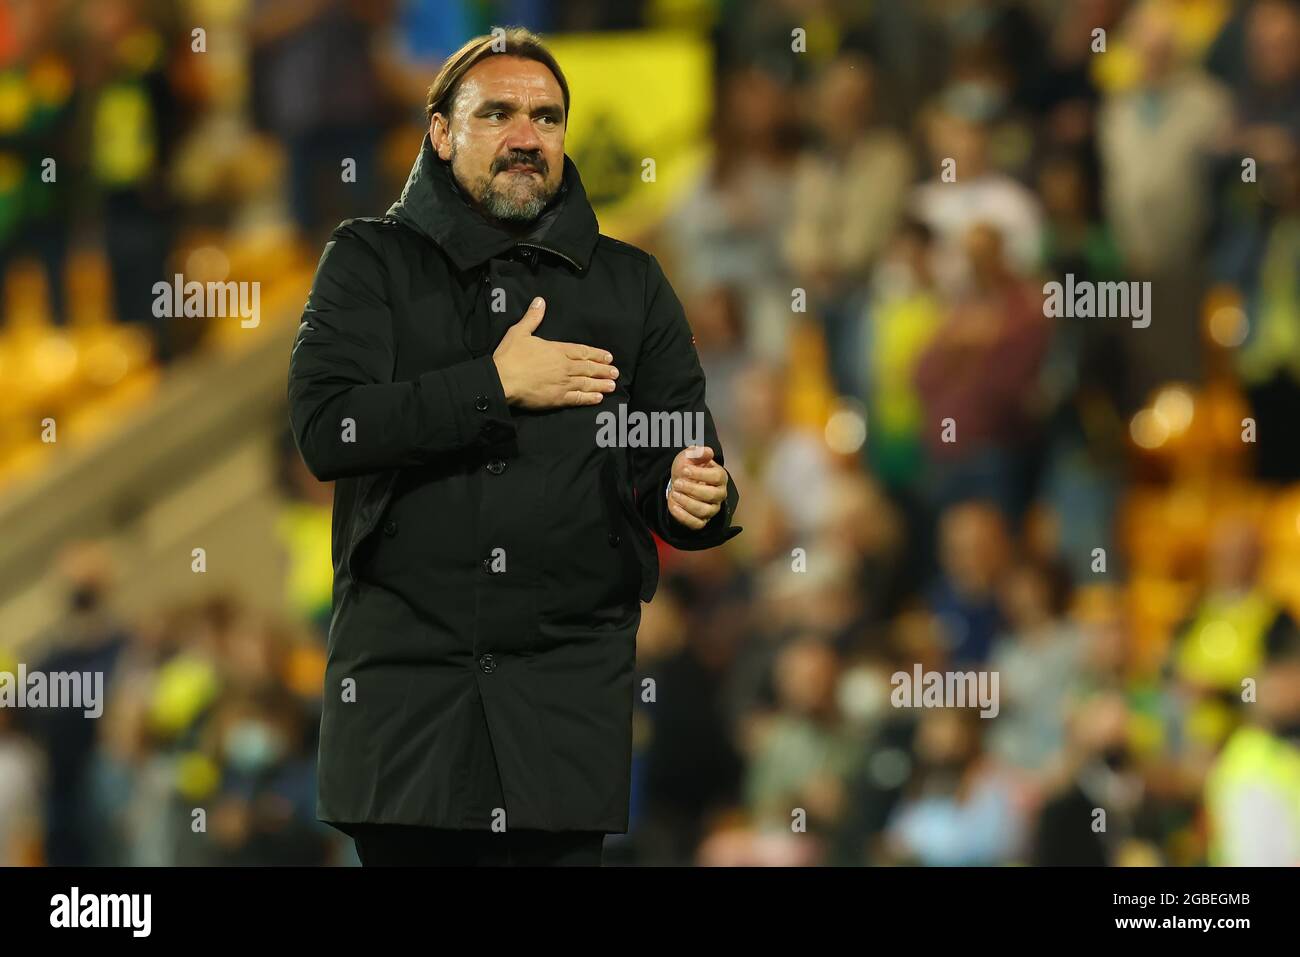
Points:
(88, 640)
(252, 746)
(1252, 794)
(263, 811)
(961, 808)
(1101, 815)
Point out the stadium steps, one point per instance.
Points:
(195, 467)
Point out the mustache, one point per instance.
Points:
(526, 158)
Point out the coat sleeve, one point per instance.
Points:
(348, 415)
(669, 379)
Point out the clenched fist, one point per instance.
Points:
(541, 374)
(698, 487)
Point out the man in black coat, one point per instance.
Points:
(509, 404)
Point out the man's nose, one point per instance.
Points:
(522, 134)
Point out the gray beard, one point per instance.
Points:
(501, 207)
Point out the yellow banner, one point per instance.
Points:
(638, 129)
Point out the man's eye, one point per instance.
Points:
(549, 119)
(495, 113)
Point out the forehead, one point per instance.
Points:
(507, 77)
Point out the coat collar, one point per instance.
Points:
(432, 204)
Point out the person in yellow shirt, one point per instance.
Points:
(1223, 641)
(1252, 794)
(905, 314)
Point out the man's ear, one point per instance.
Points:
(440, 136)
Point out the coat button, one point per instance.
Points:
(390, 527)
(496, 466)
(614, 539)
(481, 403)
(487, 664)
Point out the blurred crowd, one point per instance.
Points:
(934, 472)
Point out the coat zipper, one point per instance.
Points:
(554, 252)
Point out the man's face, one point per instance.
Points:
(505, 138)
